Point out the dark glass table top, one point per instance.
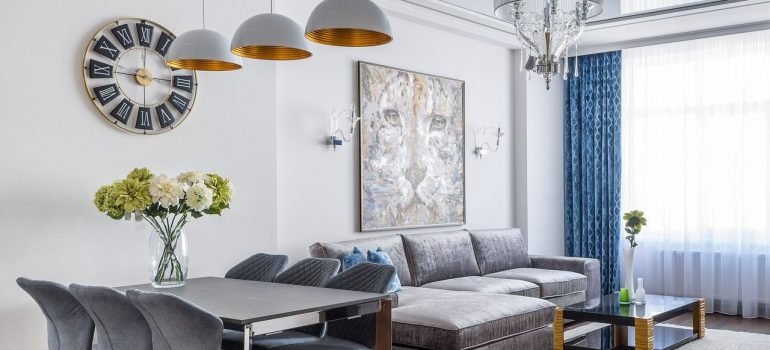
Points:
(609, 309)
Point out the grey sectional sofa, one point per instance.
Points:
(477, 289)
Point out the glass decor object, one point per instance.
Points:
(168, 255)
(166, 204)
(640, 293)
(547, 28)
(624, 296)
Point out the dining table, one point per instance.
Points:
(260, 308)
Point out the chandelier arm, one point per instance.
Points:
(520, 35)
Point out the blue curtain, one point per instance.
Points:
(592, 164)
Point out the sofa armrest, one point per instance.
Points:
(584, 266)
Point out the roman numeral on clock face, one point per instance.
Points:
(106, 48)
(183, 82)
(98, 69)
(165, 117)
(145, 34)
(123, 34)
(164, 43)
(179, 102)
(144, 119)
(122, 111)
(106, 93)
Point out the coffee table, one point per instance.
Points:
(633, 324)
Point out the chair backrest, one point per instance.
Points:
(176, 323)
(259, 267)
(364, 277)
(119, 324)
(69, 325)
(313, 272)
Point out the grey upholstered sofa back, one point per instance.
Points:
(500, 250)
(390, 244)
(440, 256)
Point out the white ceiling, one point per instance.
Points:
(609, 33)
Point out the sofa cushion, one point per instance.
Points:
(499, 250)
(390, 244)
(487, 285)
(442, 319)
(440, 256)
(552, 283)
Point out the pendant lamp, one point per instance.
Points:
(202, 49)
(270, 36)
(352, 23)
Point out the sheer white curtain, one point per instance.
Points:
(696, 122)
(630, 6)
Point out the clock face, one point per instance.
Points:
(127, 79)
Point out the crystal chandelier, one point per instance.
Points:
(547, 28)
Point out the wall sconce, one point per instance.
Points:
(483, 135)
(336, 135)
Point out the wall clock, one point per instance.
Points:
(128, 81)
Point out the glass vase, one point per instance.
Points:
(168, 257)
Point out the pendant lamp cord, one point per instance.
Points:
(271, 6)
(203, 3)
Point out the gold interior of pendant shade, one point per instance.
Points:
(274, 53)
(205, 65)
(351, 37)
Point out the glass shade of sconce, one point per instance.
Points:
(483, 135)
(336, 135)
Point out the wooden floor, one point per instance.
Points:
(730, 323)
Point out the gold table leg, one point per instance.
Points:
(699, 318)
(558, 329)
(644, 334)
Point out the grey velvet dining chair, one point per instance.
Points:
(119, 324)
(70, 327)
(358, 333)
(259, 267)
(311, 272)
(176, 323)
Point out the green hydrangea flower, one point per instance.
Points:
(105, 201)
(223, 192)
(132, 195)
(141, 174)
(101, 198)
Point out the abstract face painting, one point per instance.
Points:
(412, 149)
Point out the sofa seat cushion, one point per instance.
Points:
(440, 256)
(488, 285)
(552, 283)
(443, 319)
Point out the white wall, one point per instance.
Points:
(318, 189)
(55, 151)
(539, 162)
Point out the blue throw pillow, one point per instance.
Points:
(382, 258)
(353, 259)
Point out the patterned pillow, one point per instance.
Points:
(382, 258)
(354, 258)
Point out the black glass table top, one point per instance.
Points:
(657, 307)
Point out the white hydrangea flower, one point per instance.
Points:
(192, 177)
(166, 191)
(199, 197)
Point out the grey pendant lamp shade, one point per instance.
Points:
(353, 23)
(202, 49)
(270, 36)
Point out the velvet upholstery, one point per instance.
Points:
(380, 256)
(312, 272)
(487, 285)
(390, 244)
(441, 319)
(439, 256)
(259, 267)
(119, 325)
(538, 339)
(568, 299)
(176, 323)
(70, 327)
(499, 250)
(584, 266)
(552, 283)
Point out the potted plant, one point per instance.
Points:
(635, 220)
(166, 204)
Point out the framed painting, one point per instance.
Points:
(412, 149)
